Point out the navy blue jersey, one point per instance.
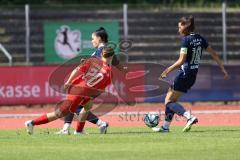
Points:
(192, 45)
(98, 52)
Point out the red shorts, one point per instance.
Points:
(72, 103)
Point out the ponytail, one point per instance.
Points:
(102, 33)
(191, 23)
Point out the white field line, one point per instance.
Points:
(127, 113)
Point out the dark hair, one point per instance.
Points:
(107, 52)
(102, 33)
(188, 22)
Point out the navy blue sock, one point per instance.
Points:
(92, 118)
(69, 118)
(168, 114)
(176, 108)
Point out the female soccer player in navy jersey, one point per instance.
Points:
(192, 46)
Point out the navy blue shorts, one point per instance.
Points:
(183, 82)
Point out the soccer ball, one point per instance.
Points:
(151, 120)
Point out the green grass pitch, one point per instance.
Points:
(138, 143)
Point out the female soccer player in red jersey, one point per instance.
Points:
(99, 40)
(85, 83)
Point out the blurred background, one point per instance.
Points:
(145, 31)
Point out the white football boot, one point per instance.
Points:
(190, 122)
(161, 129)
(103, 128)
(63, 132)
(80, 133)
(29, 126)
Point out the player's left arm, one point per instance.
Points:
(177, 64)
(214, 55)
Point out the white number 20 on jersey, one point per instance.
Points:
(92, 77)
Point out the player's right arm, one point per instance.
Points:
(79, 70)
(214, 55)
(73, 75)
(182, 58)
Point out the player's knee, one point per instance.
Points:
(60, 114)
(88, 106)
(85, 110)
(168, 101)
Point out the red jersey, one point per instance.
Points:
(94, 76)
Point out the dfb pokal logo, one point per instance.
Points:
(68, 42)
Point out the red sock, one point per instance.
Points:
(40, 120)
(80, 126)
